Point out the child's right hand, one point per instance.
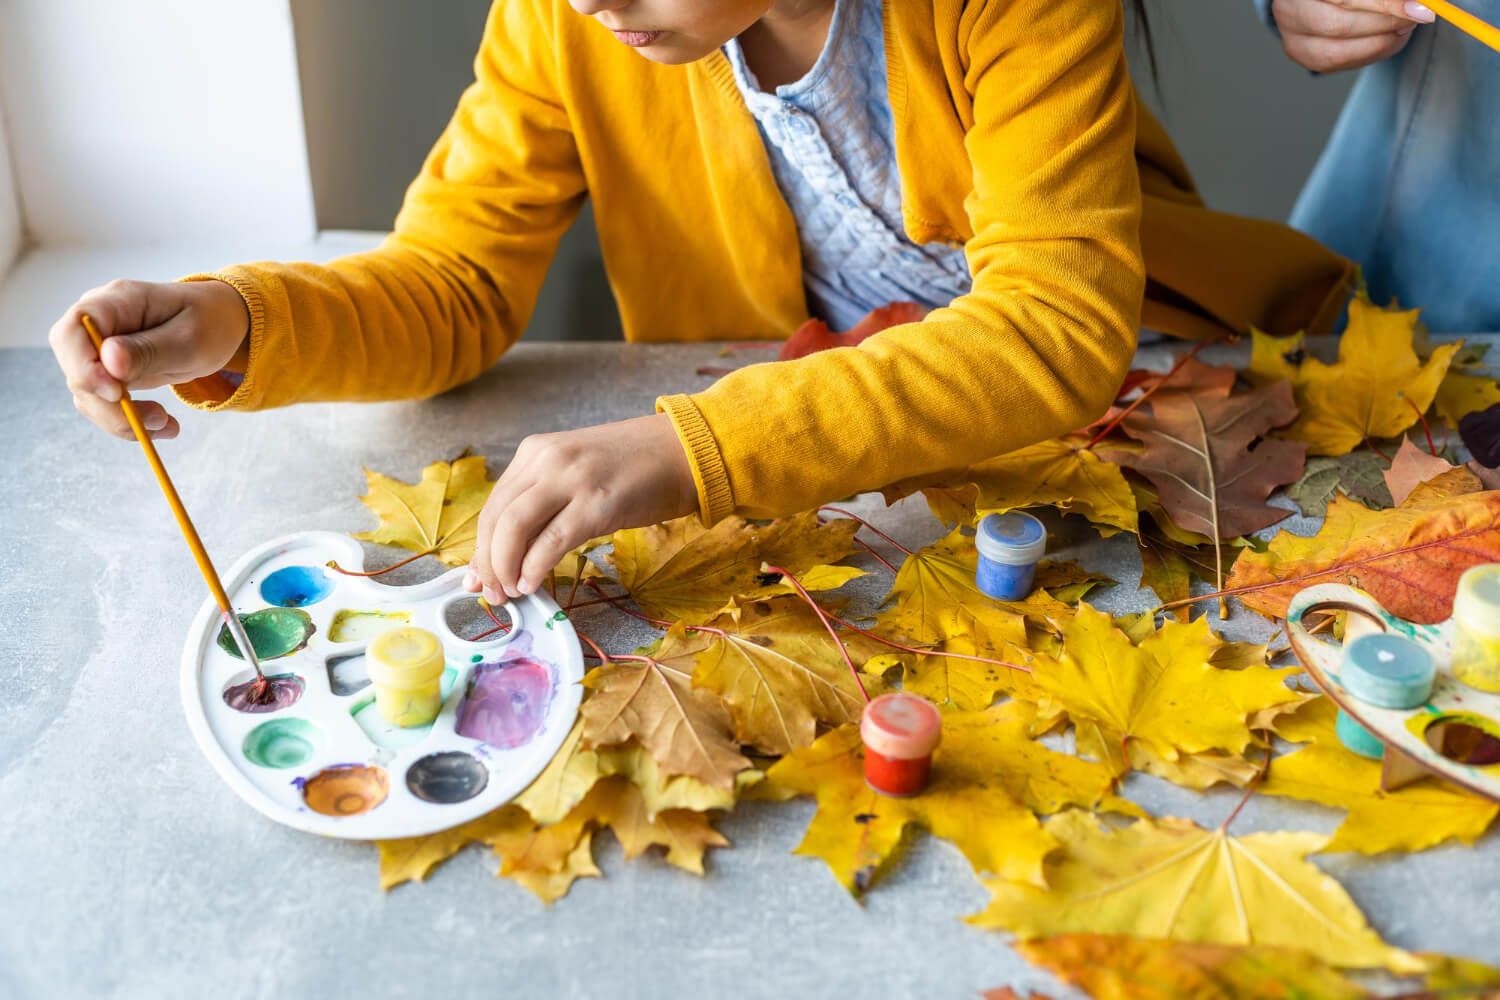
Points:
(1326, 36)
(154, 334)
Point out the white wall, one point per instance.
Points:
(155, 121)
(11, 231)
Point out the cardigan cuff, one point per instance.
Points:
(715, 499)
(227, 390)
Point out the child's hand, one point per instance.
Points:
(1330, 35)
(563, 489)
(154, 335)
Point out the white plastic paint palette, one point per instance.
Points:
(1454, 735)
(321, 758)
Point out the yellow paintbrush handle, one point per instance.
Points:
(1466, 22)
(205, 566)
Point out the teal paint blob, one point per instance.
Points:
(296, 586)
(273, 632)
(282, 743)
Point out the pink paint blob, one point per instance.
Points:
(506, 703)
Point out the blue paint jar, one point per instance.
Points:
(1009, 547)
(1387, 670)
(1357, 737)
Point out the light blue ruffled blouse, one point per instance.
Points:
(831, 141)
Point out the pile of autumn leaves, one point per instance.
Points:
(748, 693)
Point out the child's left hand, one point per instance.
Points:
(563, 489)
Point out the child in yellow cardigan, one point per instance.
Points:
(765, 159)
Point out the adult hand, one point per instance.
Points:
(1330, 35)
(154, 334)
(563, 489)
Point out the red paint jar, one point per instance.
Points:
(900, 731)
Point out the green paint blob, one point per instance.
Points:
(282, 743)
(273, 632)
(560, 616)
(475, 658)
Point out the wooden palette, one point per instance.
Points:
(321, 758)
(1454, 735)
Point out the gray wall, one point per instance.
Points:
(379, 79)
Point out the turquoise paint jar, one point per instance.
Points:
(1387, 670)
(1009, 547)
(1357, 738)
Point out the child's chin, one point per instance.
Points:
(673, 54)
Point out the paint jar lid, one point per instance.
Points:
(1476, 606)
(901, 726)
(1387, 670)
(1013, 539)
(403, 657)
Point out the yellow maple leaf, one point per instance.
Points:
(436, 516)
(1377, 388)
(1460, 395)
(651, 698)
(1120, 967)
(1172, 879)
(679, 570)
(1413, 818)
(776, 669)
(409, 859)
(1164, 693)
(956, 673)
(1060, 473)
(988, 779)
(934, 596)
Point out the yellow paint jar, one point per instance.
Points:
(1476, 628)
(406, 669)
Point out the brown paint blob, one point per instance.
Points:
(284, 690)
(346, 789)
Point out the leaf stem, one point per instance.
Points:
(876, 637)
(1151, 390)
(333, 564)
(855, 517)
(870, 549)
(1250, 788)
(1431, 448)
(818, 610)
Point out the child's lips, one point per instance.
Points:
(637, 39)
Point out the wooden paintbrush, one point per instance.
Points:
(261, 691)
(1467, 23)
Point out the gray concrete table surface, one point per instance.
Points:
(128, 869)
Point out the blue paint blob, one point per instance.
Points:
(296, 586)
(1357, 737)
(1009, 547)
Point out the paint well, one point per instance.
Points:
(468, 620)
(506, 703)
(386, 734)
(282, 743)
(357, 626)
(448, 777)
(273, 633)
(296, 586)
(241, 692)
(1464, 738)
(346, 789)
(347, 674)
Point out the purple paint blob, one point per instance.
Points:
(506, 702)
(285, 690)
